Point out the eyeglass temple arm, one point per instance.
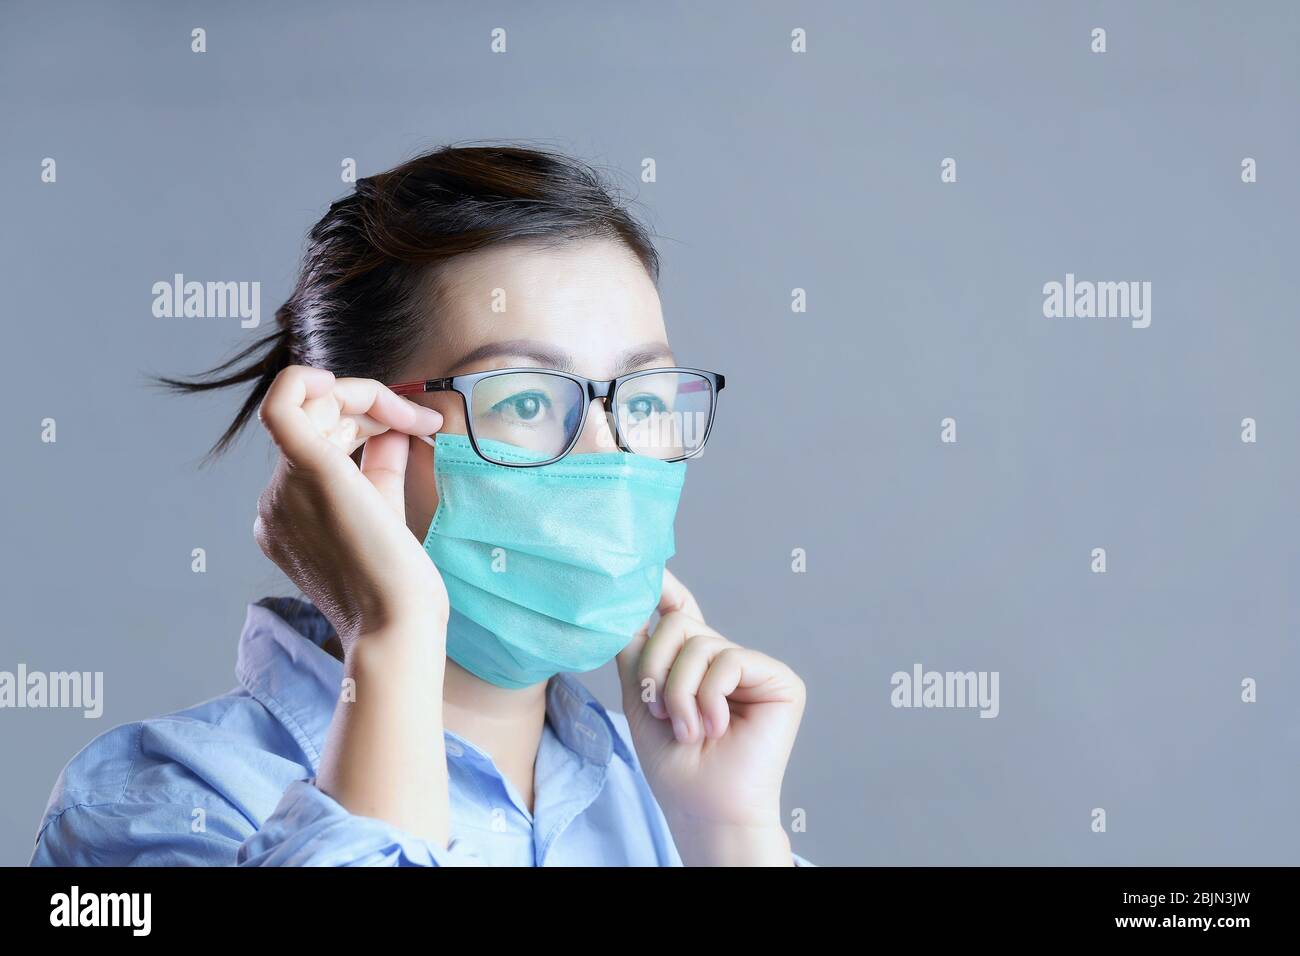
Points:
(444, 384)
(419, 388)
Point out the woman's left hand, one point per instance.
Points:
(713, 724)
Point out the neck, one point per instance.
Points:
(505, 723)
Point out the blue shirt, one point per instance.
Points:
(232, 781)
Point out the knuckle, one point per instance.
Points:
(267, 410)
(271, 415)
(287, 374)
(733, 654)
(700, 643)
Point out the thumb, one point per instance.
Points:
(383, 462)
(673, 596)
(677, 597)
(628, 659)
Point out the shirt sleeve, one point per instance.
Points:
(309, 828)
(140, 834)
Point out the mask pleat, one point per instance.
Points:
(552, 568)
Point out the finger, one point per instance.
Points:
(365, 396)
(323, 412)
(282, 415)
(661, 649)
(383, 463)
(677, 597)
(736, 674)
(351, 432)
(684, 679)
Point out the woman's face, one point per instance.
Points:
(586, 307)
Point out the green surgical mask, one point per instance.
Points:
(551, 568)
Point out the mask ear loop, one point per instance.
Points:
(428, 441)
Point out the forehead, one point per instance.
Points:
(588, 298)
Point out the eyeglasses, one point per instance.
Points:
(666, 413)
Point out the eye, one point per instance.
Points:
(640, 407)
(525, 408)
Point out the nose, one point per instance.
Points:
(597, 434)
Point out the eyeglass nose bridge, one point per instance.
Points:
(600, 390)
(604, 393)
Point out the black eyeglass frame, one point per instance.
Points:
(594, 389)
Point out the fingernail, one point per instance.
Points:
(679, 729)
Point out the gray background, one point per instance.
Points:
(820, 171)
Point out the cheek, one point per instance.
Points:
(421, 489)
(452, 409)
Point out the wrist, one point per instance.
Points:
(405, 611)
(409, 648)
(384, 753)
(712, 843)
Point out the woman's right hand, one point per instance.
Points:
(338, 531)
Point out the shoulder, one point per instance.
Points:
(227, 755)
(103, 770)
(189, 786)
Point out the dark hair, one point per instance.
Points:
(368, 275)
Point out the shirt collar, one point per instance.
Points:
(582, 723)
(282, 663)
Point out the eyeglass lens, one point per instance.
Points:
(661, 414)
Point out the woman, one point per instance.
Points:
(464, 540)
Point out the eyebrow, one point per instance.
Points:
(547, 357)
